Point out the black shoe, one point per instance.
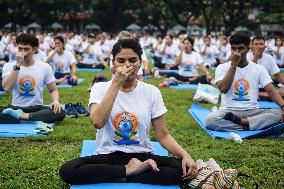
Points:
(70, 110)
(81, 109)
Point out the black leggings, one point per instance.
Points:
(98, 66)
(111, 168)
(163, 66)
(201, 79)
(37, 113)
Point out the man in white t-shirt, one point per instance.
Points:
(258, 56)
(239, 82)
(26, 78)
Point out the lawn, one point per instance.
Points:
(33, 162)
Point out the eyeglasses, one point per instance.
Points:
(238, 48)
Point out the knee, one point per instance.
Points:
(211, 122)
(65, 173)
(60, 116)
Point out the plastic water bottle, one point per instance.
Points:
(235, 137)
(214, 109)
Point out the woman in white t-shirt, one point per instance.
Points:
(189, 62)
(63, 62)
(278, 52)
(124, 110)
(169, 53)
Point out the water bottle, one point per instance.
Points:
(214, 109)
(235, 137)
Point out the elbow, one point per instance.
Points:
(97, 124)
(223, 90)
(7, 88)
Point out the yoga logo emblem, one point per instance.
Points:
(241, 88)
(187, 67)
(26, 85)
(59, 67)
(126, 125)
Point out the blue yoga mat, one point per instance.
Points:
(267, 105)
(168, 71)
(18, 130)
(200, 113)
(88, 149)
(89, 70)
(185, 86)
(80, 80)
(2, 92)
(148, 76)
(281, 69)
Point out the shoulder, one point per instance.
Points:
(254, 66)
(148, 88)
(268, 57)
(102, 86)
(223, 66)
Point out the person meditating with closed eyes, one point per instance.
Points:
(123, 111)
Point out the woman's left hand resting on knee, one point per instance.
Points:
(189, 167)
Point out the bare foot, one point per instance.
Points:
(135, 166)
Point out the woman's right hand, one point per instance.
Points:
(122, 73)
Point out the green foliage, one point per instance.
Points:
(33, 162)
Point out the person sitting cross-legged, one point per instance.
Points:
(239, 81)
(124, 110)
(26, 78)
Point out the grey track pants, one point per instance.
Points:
(258, 119)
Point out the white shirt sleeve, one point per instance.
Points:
(158, 107)
(49, 76)
(7, 69)
(96, 95)
(264, 77)
(273, 69)
(72, 59)
(219, 73)
(199, 59)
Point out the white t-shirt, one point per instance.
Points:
(62, 63)
(12, 51)
(190, 64)
(210, 53)
(171, 52)
(225, 52)
(279, 59)
(129, 123)
(28, 90)
(243, 93)
(267, 61)
(40, 56)
(92, 57)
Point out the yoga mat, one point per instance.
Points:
(80, 80)
(168, 71)
(88, 149)
(267, 105)
(18, 130)
(2, 92)
(89, 70)
(200, 113)
(184, 86)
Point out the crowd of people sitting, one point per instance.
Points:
(124, 108)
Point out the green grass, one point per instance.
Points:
(34, 162)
